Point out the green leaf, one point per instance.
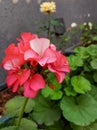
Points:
(11, 128)
(92, 50)
(82, 52)
(92, 126)
(81, 110)
(80, 84)
(59, 125)
(28, 124)
(75, 62)
(69, 91)
(95, 76)
(52, 93)
(94, 38)
(29, 106)
(94, 63)
(14, 105)
(93, 92)
(45, 111)
(25, 125)
(53, 89)
(54, 22)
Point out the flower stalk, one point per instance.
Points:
(22, 112)
(49, 24)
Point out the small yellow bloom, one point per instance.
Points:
(90, 25)
(48, 7)
(73, 25)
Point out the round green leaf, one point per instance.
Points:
(93, 92)
(81, 110)
(75, 62)
(69, 91)
(94, 38)
(80, 84)
(53, 94)
(45, 111)
(11, 128)
(59, 125)
(94, 63)
(28, 124)
(92, 50)
(14, 105)
(25, 125)
(82, 52)
(92, 126)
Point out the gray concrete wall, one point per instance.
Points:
(17, 16)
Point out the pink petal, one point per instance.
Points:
(52, 46)
(16, 62)
(39, 45)
(50, 54)
(48, 57)
(24, 77)
(27, 36)
(64, 68)
(60, 76)
(15, 87)
(13, 63)
(37, 82)
(11, 49)
(8, 65)
(29, 54)
(52, 69)
(28, 92)
(43, 61)
(10, 80)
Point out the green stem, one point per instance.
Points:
(49, 25)
(22, 112)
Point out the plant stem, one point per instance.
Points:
(22, 112)
(49, 24)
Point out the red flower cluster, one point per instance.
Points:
(26, 64)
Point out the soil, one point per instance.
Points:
(5, 95)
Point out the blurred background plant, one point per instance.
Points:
(65, 38)
(50, 26)
(83, 34)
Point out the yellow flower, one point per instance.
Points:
(48, 7)
(73, 25)
(90, 25)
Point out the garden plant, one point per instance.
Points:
(57, 92)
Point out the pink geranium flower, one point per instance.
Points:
(33, 85)
(24, 41)
(41, 51)
(17, 78)
(28, 62)
(13, 59)
(59, 67)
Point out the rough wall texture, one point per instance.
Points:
(17, 16)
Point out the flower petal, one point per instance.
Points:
(60, 76)
(15, 87)
(30, 54)
(27, 36)
(48, 57)
(64, 68)
(39, 45)
(37, 82)
(25, 75)
(28, 92)
(10, 80)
